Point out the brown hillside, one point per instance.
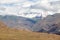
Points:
(3, 26)
(13, 34)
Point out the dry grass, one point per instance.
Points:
(13, 34)
(25, 35)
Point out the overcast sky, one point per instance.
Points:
(17, 7)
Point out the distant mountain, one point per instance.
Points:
(50, 24)
(17, 22)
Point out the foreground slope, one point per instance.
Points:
(14, 34)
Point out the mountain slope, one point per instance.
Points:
(50, 24)
(14, 34)
(17, 22)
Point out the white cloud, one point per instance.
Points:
(24, 6)
(11, 1)
(27, 4)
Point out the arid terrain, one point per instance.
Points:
(14, 34)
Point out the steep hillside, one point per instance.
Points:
(50, 24)
(17, 22)
(14, 34)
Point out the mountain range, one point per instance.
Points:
(17, 22)
(49, 24)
